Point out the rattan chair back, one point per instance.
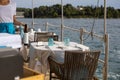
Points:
(44, 36)
(78, 65)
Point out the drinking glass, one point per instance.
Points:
(50, 42)
(31, 30)
(39, 30)
(66, 41)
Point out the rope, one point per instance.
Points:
(53, 25)
(91, 32)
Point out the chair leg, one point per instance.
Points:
(50, 75)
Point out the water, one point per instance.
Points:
(113, 29)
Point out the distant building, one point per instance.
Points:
(20, 14)
(80, 8)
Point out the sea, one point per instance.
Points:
(89, 24)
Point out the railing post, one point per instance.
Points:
(46, 26)
(105, 73)
(81, 35)
(62, 24)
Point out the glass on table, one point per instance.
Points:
(50, 42)
(31, 30)
(66, 41)
(39, 30)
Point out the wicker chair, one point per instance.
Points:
(43, 36)
(78, 65)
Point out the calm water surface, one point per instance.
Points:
(113, 29)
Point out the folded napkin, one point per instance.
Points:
(84, 48)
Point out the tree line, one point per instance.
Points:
(70, 11)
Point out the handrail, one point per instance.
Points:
(99, 36)
(72, 28)
(94, 34)
(53, 25)
(100, 60)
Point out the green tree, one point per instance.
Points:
(70, 11)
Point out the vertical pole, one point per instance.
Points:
(62, 26)
(105, 74)
(46, 26)
(105, 12)
(81, 35)
(106, 39)
(32, 14)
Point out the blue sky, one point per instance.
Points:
(37, 3)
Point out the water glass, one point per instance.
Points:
(39, 30)
(66, 41)
(31, 30)
(50, 42)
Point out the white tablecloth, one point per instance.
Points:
(10, 40)
(39, 54)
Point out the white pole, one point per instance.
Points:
(105, 74)
(105, 12)
(106, 39)
(62, 26)
(32, 14)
